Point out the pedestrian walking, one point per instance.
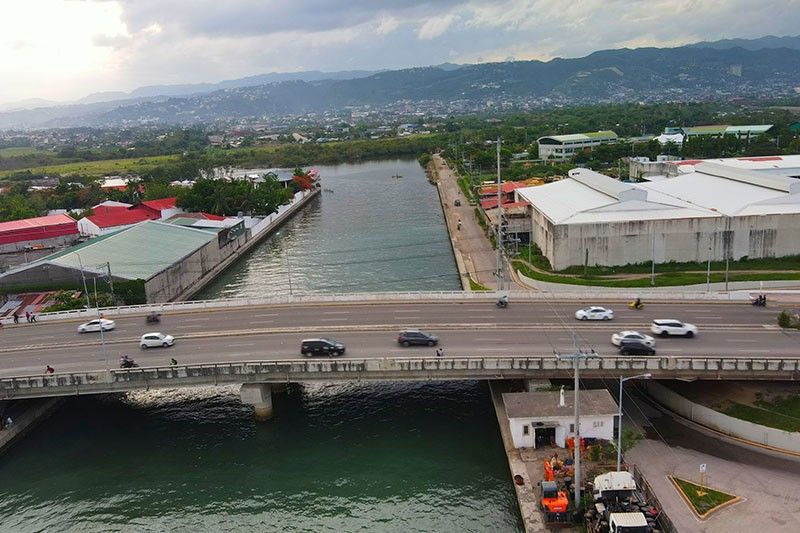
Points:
(459, 224)
(173, 362)
(439, 352)
(27, 316)
(49, 369)
(33, 317)
(9, 422)
(16, 318)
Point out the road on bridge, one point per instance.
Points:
(465, 328)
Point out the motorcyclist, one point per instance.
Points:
(153, 317)
(125, 361)
(503, 301)
(638, 303)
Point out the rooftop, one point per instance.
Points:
(138, 252)
(110, 216)
(37, 222)
(546, 404)
(163, 203)
(577, 137)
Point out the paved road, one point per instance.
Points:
(479, 257)
(369, 330)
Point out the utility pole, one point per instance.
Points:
(653, 262)
(500, 273)
(619, 430)
(576, 357)
(110, 279)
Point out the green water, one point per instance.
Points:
(404, 457)
(408, 457)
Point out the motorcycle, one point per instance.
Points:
(635, 305)
(760, 301)
(127, 362)
(153, 318)
(502, 303)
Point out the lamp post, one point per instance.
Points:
(619, 431)
(89, 305)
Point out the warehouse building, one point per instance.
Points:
(40, 232)
(565, 146)
(729, 208)
(171, 259)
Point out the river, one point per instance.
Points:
(405, 457)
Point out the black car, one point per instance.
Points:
(635, 347)
(331, 348)
(414, 336)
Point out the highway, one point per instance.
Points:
(471, 328)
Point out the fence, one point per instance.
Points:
(651, 498)
(377, 368)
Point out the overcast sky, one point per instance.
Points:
(66, 49)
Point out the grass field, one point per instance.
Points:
(20, 151)
(102, 168)
(702, 499)
(782, 412)
(668, 279)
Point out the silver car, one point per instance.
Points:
(155, 340)
(96, 325)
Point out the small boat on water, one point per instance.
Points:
(397, 176)
(327, 190)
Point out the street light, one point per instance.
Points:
(89, 305)
(619, 430)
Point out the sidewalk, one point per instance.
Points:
(26, 414)
(470, 242)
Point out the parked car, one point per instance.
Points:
(669, 326)
(594, 312)
(311, 347)
(625, 336)
(154, 340)
(410, 337)
(96, 325)
(636, 348)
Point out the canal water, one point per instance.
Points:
(405, 457)
(372, 233)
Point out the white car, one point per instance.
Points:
(155, 340)
(629, 336)
(670, 326)
(594, 313)
(96, 325)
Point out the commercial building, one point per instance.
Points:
(718, 209)
(719, 130)
(40, 232)
(565, 146)
(538, 419)
(169, 258)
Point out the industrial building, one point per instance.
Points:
(565, 146)
(717, 209)
(40, 232)
(169, 258)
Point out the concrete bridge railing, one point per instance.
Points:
(388, 368)
(423, 297)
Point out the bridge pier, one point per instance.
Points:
(259, 395)
(533, 385)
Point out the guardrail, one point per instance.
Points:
(428, 297)
(390, 368)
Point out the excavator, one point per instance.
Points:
(554, 502)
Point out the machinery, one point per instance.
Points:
(554, 500)
(619, 508)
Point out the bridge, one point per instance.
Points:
(257, 343)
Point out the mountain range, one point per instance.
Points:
(769, 66)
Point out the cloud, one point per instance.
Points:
(96, 45)
(387, 25)
(436, 26)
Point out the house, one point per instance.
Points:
(507, 189)
(109, 218)
(161, 209)
(539, 419)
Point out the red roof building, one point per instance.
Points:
(37, 232)
(106, 219)
(160, 209)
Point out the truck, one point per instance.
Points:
(618, 506)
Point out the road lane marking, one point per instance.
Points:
(336, 312)
(407, 318)
(755, 351)
(188, 326)
(241, 344)
(489, 339)
(195, 319)
(265, 315)
(398, 311)
(742, 340)
(332, 319)
(261, 322)
(495, 349)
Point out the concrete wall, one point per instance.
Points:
(592, 427)
(52, 242)
(681, 240)
(729, 425)
(176, 279)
